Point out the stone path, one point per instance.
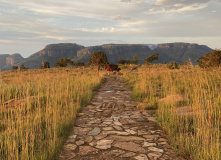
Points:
(112, 129)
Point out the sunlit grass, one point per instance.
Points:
(191, 109)
(38, 107)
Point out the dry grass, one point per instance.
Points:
(188, 102)
(38, 107)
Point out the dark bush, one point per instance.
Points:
(212, 59)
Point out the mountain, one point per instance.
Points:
(7, 60)
(181, 52)
(178, 52)
(3, 60)
(51, 53)
(115, 52)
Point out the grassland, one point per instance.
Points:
(38, 107)
(189, 106)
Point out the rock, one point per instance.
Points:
(113, 153)
(116, 119)
(70, 147)
(126, 138)
(71, 139)
(153, 119)
(93, 143)
(141, 157)
(100, 136)
(130, 131)
(116, 132)
(65, 156)
(118, 128)
(162, 140)
(117, 123)
(87, 150)
(104, 144)
(88, 139)
(107, 123)
(154, 149)
(107, 128)
(142, 132)
(107, 113)
(81, 131)
(153, 137)
(130, 146)
(163, 143)
(147, 144)
(128, 154)
(94, 131)
(79, 142)
(124, 121)
(154, 155)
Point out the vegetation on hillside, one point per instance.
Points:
(212, 59)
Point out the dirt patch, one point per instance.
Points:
(172, 98)
(13, 103)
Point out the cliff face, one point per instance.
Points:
(13, 59)
(3, 60)
(180, 52)
(51, 53)
(116, 52)
(67, 50)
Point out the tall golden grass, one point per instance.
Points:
(38, 107)
(189, 106)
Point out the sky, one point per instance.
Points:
(27, 26)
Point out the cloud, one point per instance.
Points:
(119, 17)
(129, 21)
(178, 9)
(183, 2)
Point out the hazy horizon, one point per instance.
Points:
(27, 27)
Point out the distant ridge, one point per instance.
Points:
(178, 52)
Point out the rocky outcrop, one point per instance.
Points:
(181, 52)
(13, 59)
(116, 52)
(67, 50)
(178, 52)
(51, 53)
(3, 60)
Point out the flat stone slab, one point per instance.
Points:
(104, 144)
(141, 157)
(94, 132)
(130, 146)
(87, 150)
(126, 138)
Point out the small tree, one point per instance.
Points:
(212, 59)
(22, 67)
(99, 59)
(121, 61)
(151, 58)
(185, 63)
(76, 64)
(14, 68)
(45, 65)
(62, 62)
(114, 67)
(80, 64)
(135, 59)
(173, 65)
(128, 61)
